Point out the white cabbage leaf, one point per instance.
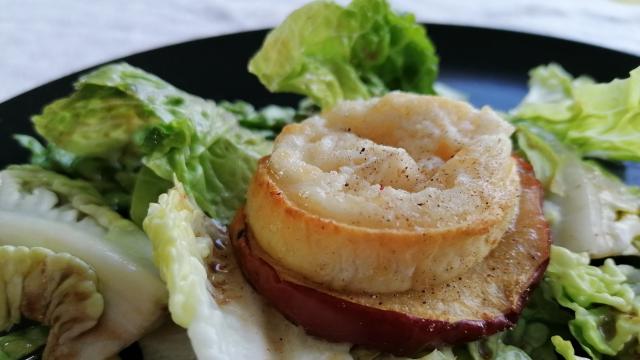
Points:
(39, 208)
(590, 210)
(55, 289)
(224, 317)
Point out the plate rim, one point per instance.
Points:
(514, 32)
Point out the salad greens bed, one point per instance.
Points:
(125, 137)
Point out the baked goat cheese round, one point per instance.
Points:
(385, 195)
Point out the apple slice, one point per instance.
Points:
(485, 300)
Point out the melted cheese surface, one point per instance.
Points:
(399, 162)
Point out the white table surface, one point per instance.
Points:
(41, 40)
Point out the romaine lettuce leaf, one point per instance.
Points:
(18, 344)
(128, 132)
(270, 119)
(113, 178)
(39, 208)
(599, 119)
(148, 188)
(48, 157)
(113, 102)
(215, 173)
(589, 209)
(95, 121)
(330, 53)
(605, 304)
(95, 133)
(224, 317)
(565, 348)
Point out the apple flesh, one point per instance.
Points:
(485, 300)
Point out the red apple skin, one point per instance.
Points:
(323, 314)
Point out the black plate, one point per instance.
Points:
(490, 66)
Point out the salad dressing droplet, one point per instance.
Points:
(220, 244)
(219, 268)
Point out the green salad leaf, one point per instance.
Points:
(128, 132)
(330, 53)
(96, 120)
(113, 178)
(19, 344)
(600, 120)
(590, 210)
(597, 307)
(43, 209)
(604, 300)
(493, 347)
(270, 119)
(147, 189)
(215, 170)
(82, 197)
(565, 348)
(112, 103)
